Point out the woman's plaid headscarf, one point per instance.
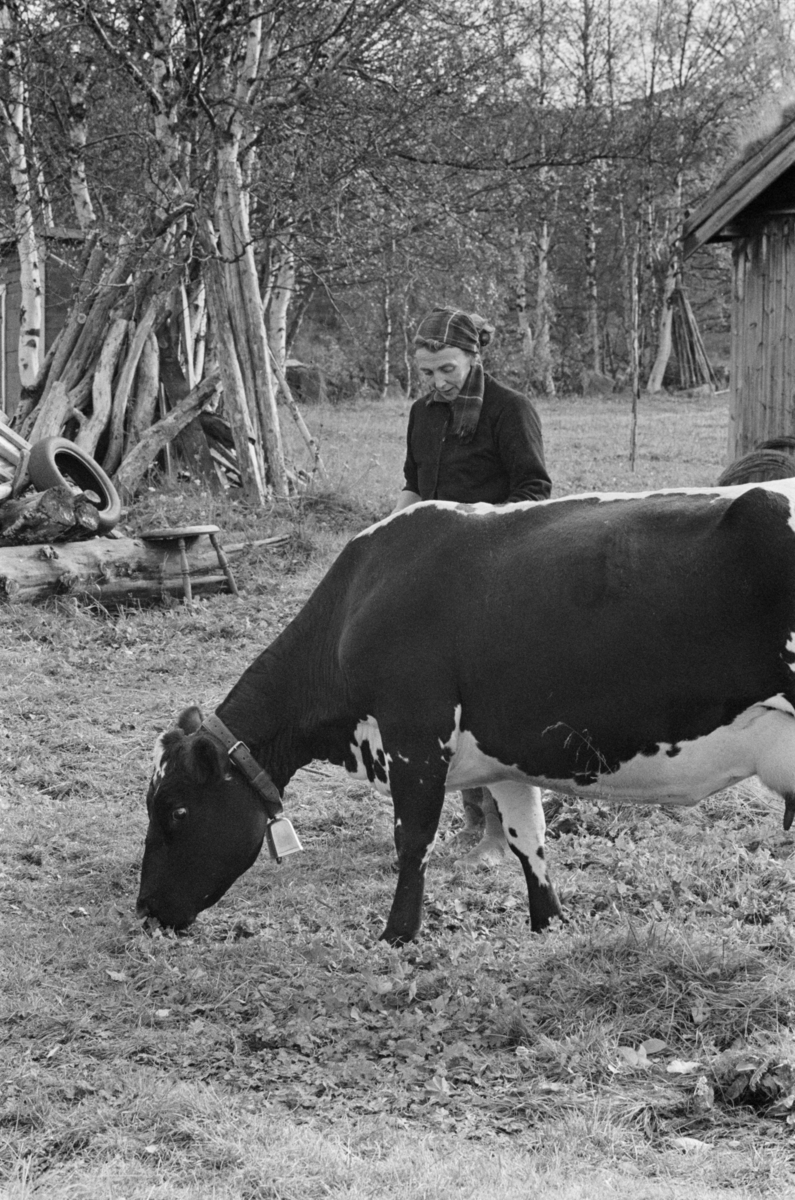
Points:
(466, 331)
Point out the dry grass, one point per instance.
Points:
(681, 442)
(278, 1050)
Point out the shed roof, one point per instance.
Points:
(753, 180)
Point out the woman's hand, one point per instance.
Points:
(404, 500)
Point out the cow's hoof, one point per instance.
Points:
(489, 852)
(544, 915)
(396, 940)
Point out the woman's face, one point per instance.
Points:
(446, 369)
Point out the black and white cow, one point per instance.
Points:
(634, 647)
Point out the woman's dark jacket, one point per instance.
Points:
(503, 462)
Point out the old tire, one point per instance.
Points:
(57, 462)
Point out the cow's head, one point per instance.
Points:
(206, 825)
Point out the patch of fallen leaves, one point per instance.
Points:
(326, 1022)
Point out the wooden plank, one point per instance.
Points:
(226, 460)
(8, 451)
(11, 435)
(735, 359)
(778, 417)
(763, 346)
(787, 339)
(21, 476)
(743, 298)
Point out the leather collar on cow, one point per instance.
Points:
(241, 757)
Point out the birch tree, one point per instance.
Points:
(221, 95)
(15, 106)
(226, 162)
(77, 135)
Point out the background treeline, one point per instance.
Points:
(248, 183)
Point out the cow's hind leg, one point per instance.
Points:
(775, 763)
(522, 816)
(418, 806)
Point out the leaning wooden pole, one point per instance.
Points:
(246, 316)
(312, 443)
(244, 432)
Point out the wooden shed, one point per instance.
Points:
(753, 207)
(60, 250)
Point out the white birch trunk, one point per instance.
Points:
(77, 132)
(591, 282)
(243, 295)
(42, 195)
(386, 361)
(657, 373)
(626, 294)
(281, 293)
(672, 276)
(187, 338)
(164, 112)
(407, 355)
(543, 347)
(634, 296)
(31, 323)
(198, 325)
(523, 325)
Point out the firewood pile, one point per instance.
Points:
(58, 536)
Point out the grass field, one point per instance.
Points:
(278, 1051)
(681, 442)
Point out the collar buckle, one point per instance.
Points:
(282, 838)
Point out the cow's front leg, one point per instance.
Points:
(418, 806)
(522, 816)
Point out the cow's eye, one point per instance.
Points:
(179, 814)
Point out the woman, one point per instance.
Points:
(470, 439)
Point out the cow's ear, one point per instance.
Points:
(208, 760)
(190, 719)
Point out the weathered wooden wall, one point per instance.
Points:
(762, 398)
